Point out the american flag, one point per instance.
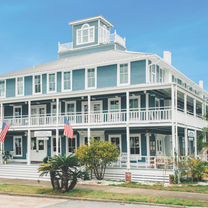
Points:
(68, 131)
(4, 131)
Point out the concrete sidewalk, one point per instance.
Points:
(137, 191)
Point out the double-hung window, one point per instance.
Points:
(91, 78)
(156, 74)
(86, 34)
(124, 74)
(52, 82)
(20, 86)
(135, 144)
(2, 88)
(18, 146)
(67, 80)
(37, 84)
(104, 35)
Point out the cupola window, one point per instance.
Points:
(85, 34)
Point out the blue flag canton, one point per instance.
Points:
(66, 121)
(3, 125)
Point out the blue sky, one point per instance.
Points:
(30, 30)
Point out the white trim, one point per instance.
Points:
(110, 99)
(68, 102)
(17, 137)
(92, 104)
(16, 86)
(74, 136)
(48, 82)
(62, 86)
(139, 101)
(120, 141)
(36, 93)
(19, 106)
(52, 152)
(37, 109)
(86, 78)
(54, 103)
(140, 147)
(88, 35)
(118, 73)
(4, 88)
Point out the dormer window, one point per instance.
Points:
(104, 36)
(86, 34)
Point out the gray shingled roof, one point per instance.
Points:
(78, 62)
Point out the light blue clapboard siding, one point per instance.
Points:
(87, 51)
(138, 72)
(76, 27)
(8, 111)
(44, 83)
(124, 143)
(143, 145)
(24, 110)
(107, 76)
(49, 146)
(78, 79)
(28, 85)
(10, 87)
(58, 81)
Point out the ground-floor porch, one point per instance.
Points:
(140, 147)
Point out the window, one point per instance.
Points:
(52, 82)
(156, 74)
(37, 83)
(67, 80)
(18, 146)
(124, 77)
(115, 139)
(104, 35)
(152, 147)
(91, 78)
(134, 106)
(85, 34)
(135, 145)
(2, 88)
(19, 86)
(71, 145)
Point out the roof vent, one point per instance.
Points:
(167, 56)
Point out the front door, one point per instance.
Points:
(53, 145)
(160, 146)
(38, 149)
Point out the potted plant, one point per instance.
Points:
(6, 156)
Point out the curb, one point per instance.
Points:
(87, 199)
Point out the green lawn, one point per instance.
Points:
(184, 188)
(101, 195)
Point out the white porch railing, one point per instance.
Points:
(65, 47)
(17, 121)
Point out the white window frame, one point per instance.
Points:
(104, 38)
(36, 93)
(69, 102)
(86, 78)
(155, 73)
(52, 152)
(48, 82)
(118, 74)
(17, 87)
(139, 101)
(67, 148)
(81, 31)
(140, 148)
(63, 90)
(110, 99)
(17, 137)
(19, 106)
(116, 135)
(4, 88)
(157, 100)
(54, 103)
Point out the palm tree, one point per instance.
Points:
(68, 167)
(48, 168)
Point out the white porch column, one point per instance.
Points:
(57, 138)
(173, 114)
(148, 147)
(195, 107)
(128, 147)
(147, 105)
(28, 147)
(176, 126)
(88, 135)
(173, 139)
(127, 107)
(57, 111)
(89, 110)
(186, 141)
(195, 141)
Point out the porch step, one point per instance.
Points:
(21, 171)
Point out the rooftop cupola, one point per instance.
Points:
(89, 33)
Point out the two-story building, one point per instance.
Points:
(137, 100)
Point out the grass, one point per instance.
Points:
(101, 195)
(183, 188)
